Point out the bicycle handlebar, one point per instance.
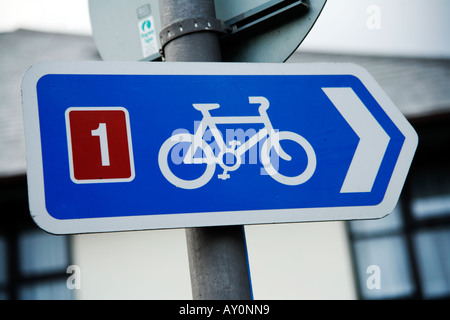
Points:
(264, 103)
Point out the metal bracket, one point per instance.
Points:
(190, 25)
(266, 16)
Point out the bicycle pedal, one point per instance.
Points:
(223, 176)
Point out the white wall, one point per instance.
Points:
(300, 261)
(132, 265)
(62, 16)
(386, 27)
(287, 261)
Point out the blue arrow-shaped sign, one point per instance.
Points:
(128, 146)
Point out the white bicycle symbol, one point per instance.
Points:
(196, 140)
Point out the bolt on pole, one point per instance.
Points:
(217, 255)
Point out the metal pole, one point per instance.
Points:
(217, 255)
(218, 263)
(195, 46)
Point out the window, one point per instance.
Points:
(33, 263)
(41, 253)
(430, 209)
(3, 271)
(411, 246)
(382, 243)
(33, 266)
(433, 255)
(430, 191)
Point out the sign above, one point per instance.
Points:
(131, 146)
(130, 30)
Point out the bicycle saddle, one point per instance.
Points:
(206, 106)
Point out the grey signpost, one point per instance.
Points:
(217, 255)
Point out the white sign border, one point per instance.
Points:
(35, 175)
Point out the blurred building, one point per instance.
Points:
(405, 255)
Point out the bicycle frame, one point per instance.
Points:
(211, 122)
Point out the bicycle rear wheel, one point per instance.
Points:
(163, 161)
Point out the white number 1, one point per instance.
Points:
(104, 151)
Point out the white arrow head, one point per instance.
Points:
(372, 144)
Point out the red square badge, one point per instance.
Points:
(99, 143)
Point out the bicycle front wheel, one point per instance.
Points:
(273, 171)
(164, 157)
